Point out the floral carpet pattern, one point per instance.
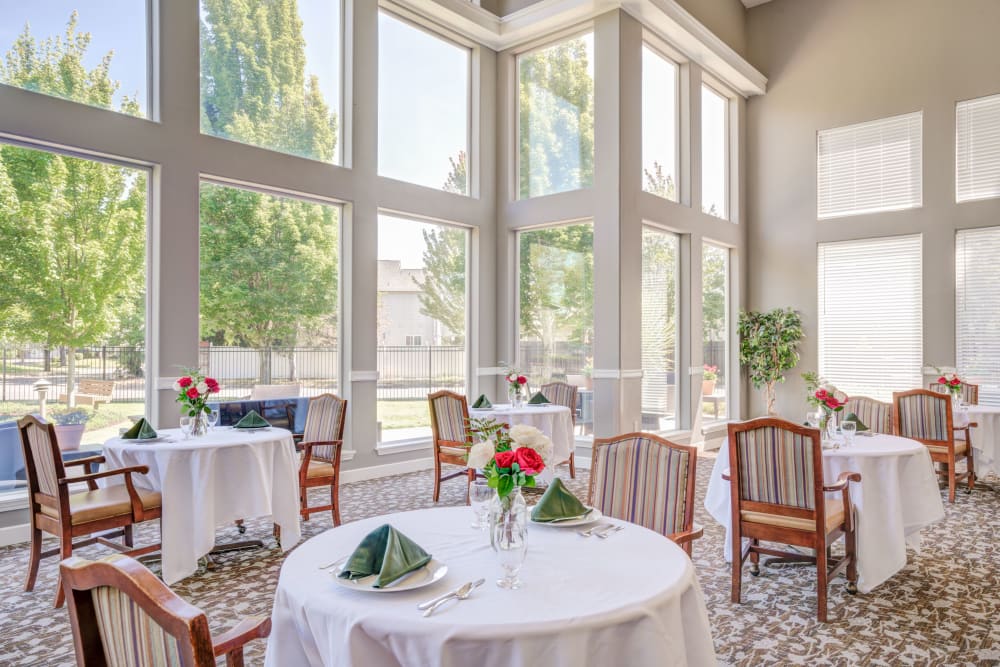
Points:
(942, 609)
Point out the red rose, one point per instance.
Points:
(213, 385)
(530, 461)
(505, 459)
(832, 403)
(522, 380)
(192, 393)
(185, 382)
(955, 382)
(821, 394)
(942, 380)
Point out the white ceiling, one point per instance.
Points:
(753, 3)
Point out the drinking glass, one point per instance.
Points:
(213, 419)
(186, 426)
(480, 495)
(812, 419)
(848, 428)
(510, 542)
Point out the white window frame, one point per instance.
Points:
(966, 187)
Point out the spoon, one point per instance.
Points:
(461, 594)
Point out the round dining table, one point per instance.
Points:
(897, 497)
(631, 599)
(985, 437)
(212, 480)
(555, 421)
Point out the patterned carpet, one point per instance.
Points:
(942, 609)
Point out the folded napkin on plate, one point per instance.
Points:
(557, 504)
(851, 417)
(482, 402)
(538, 399)
(252, 420)
(386, 552)
(141, 430)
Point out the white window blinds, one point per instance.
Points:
(870, 317)
(870, 167)
(977, 310)
(977, 149)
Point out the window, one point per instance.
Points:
(977, 149)
(422, 286)
(870, 317)
(714, 153)
(715, 332)
(73, 307)
(269, 291)
(977, 305)
(40, 42)
(423, 106)
(659, 124)
(272, 80)
(870, 167)
(556, 118)
(660, 251)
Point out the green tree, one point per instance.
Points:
(769, 345)
(442, 295)
(457, 180)
(660, 184)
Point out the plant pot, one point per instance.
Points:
(707, 387)
(70, 436)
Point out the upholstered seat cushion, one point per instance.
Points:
(834, 517)
(455, 451)
(319, 469)
(111, 501)
(960, 446)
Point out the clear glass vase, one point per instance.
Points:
(199, 425)
(515, 394)
(508, 522)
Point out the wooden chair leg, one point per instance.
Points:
(471, 475)
(240, 527)
(851, 549)
(755, 559)
(737, 566)
(572, 466)
(335, 501)
(951, 482)
(35, 556)
(127, 536)
(821, 583)
(235, 658)
(437, 478)
(65, 551)
(971, 468)
(304, 501)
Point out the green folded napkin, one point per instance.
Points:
(538, 399)
(141, 430)
(557, 504)
(482, 402)
(252, 420)
(386, 552)
(851, 417)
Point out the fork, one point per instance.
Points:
(590, 531)
(605, 534)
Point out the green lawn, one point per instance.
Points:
(403, 414)
(104, 422)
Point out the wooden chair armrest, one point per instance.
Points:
(842, 484)
(254, 627)
(84, 461)
(967, 426)
(138, 513)
(688, 535)
(726, 475)
(307, 447)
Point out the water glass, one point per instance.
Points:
(812, 419)
(480, 495)
(213, 419)
(186, 426)
(510, 542)
(848, 428)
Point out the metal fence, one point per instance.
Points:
(410, 372)
(22, 366)
(555, 361)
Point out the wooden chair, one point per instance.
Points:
(322, 442)
(264, 392)
(644, 479)
(778, 495)
(56, 510)
(123, 615)
(925, 416)
(876, 415)
(449, 428)
(969, 394)
(564, 394)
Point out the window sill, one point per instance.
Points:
(11, 501)
(402, 446)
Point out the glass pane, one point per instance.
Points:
(270, 75)
(659, 125)
(89, 51)
(556, 91)
(72, 311)
(423, 107)
(714, 153)
(715, 332)
(659, 329)
(422, 271)
(270, 313)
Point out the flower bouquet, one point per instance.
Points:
(517, 386)
(952, 383)
(823, 395)
(193, 390)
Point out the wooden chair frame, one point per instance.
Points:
(572, 412)
(686, 537)
(972, 398)
(445, 457)
(181, 620)
(333, 481)
(63, 527)
(818, 539)
(948, 458)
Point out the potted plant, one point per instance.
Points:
(769, 347)
(588, 370)
(70, 423)
(709, 376)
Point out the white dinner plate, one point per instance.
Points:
(590, 517)
(143, 441)
(251, 428)
(424, 576)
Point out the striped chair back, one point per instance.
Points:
(449, 418)
(42, 458)
(644, 479)
(775, 464)
(325, 422)
(876, 415)
(561, 393)
(924, 415)
(128, 634)
(969, 393)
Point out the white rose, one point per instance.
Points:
(177, 386)
(202, 388)
(523, 434)
(481, 453)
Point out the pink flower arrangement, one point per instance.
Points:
(193, 390)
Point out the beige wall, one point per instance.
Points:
(835, 62)
(726, 18)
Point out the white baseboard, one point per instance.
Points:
(15, 534)
(374, 472)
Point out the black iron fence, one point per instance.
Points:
(410, 372)
(22, 366)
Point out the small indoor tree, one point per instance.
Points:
(769, 347)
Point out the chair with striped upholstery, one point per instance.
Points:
(644, 479)
(322, 442)
(925, 416)
(561, 393)
(969, 393)
(876, 415)
(122, 615)
(449, 428)
(778, 494)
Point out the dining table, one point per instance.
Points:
(897, 497)
(630, 599)
(985, 437)
(210, 481)
(555, 421)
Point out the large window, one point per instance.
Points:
(977, 149)
(977, 310)
(89, 51)
(870, 315)
(269, 292)
(870, 167)
(271, 77)
(660, 250)
(714, 153)
(715, 332)
(423, 106)
(556, 118)
(659, 124)
(72, 309)
(422, 321)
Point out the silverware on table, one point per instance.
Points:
(609, 532)
(590, 531)
(460, 593)
(329, 565)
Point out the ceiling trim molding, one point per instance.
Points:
(749, 4)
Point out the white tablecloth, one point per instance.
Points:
(632, 599)
(555, 421)
(211, 481)
(898, 496)
(985, 438)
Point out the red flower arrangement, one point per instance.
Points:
(193, 391)
(953, 383)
